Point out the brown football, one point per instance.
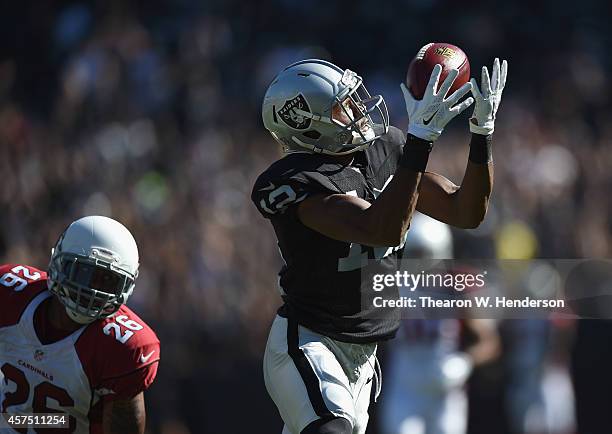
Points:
(448, 55)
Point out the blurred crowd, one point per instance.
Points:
(149, 112)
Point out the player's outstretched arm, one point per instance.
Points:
(465, 206)
(462, 206)
(126, 416)
(385, 221)
(352, 219)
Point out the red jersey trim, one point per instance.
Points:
(118, 377)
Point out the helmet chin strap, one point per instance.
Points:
(369, 134)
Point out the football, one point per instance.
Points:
(448, 55)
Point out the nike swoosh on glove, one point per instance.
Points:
(428, 117)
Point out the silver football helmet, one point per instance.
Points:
(315, 106)
(428, 239)
(93, 268)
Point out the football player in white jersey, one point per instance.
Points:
(68, 343)
(426, 366)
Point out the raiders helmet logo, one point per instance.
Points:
(288, 113)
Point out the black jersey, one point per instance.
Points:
(321, 280)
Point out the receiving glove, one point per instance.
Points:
(428, 117)
(487, 102)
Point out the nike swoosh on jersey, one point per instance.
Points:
(145, 359)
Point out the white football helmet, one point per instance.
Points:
(315, 106)
(428, 239)
(93, 267)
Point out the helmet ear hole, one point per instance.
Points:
(312, 134)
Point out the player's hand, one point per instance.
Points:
(487, 101)
(428, 117)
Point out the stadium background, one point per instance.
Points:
(149, 112)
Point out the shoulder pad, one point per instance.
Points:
(290, 180)
(395, 136)
(19, 284)
(117, 346)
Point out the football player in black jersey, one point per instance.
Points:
(341, 198)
